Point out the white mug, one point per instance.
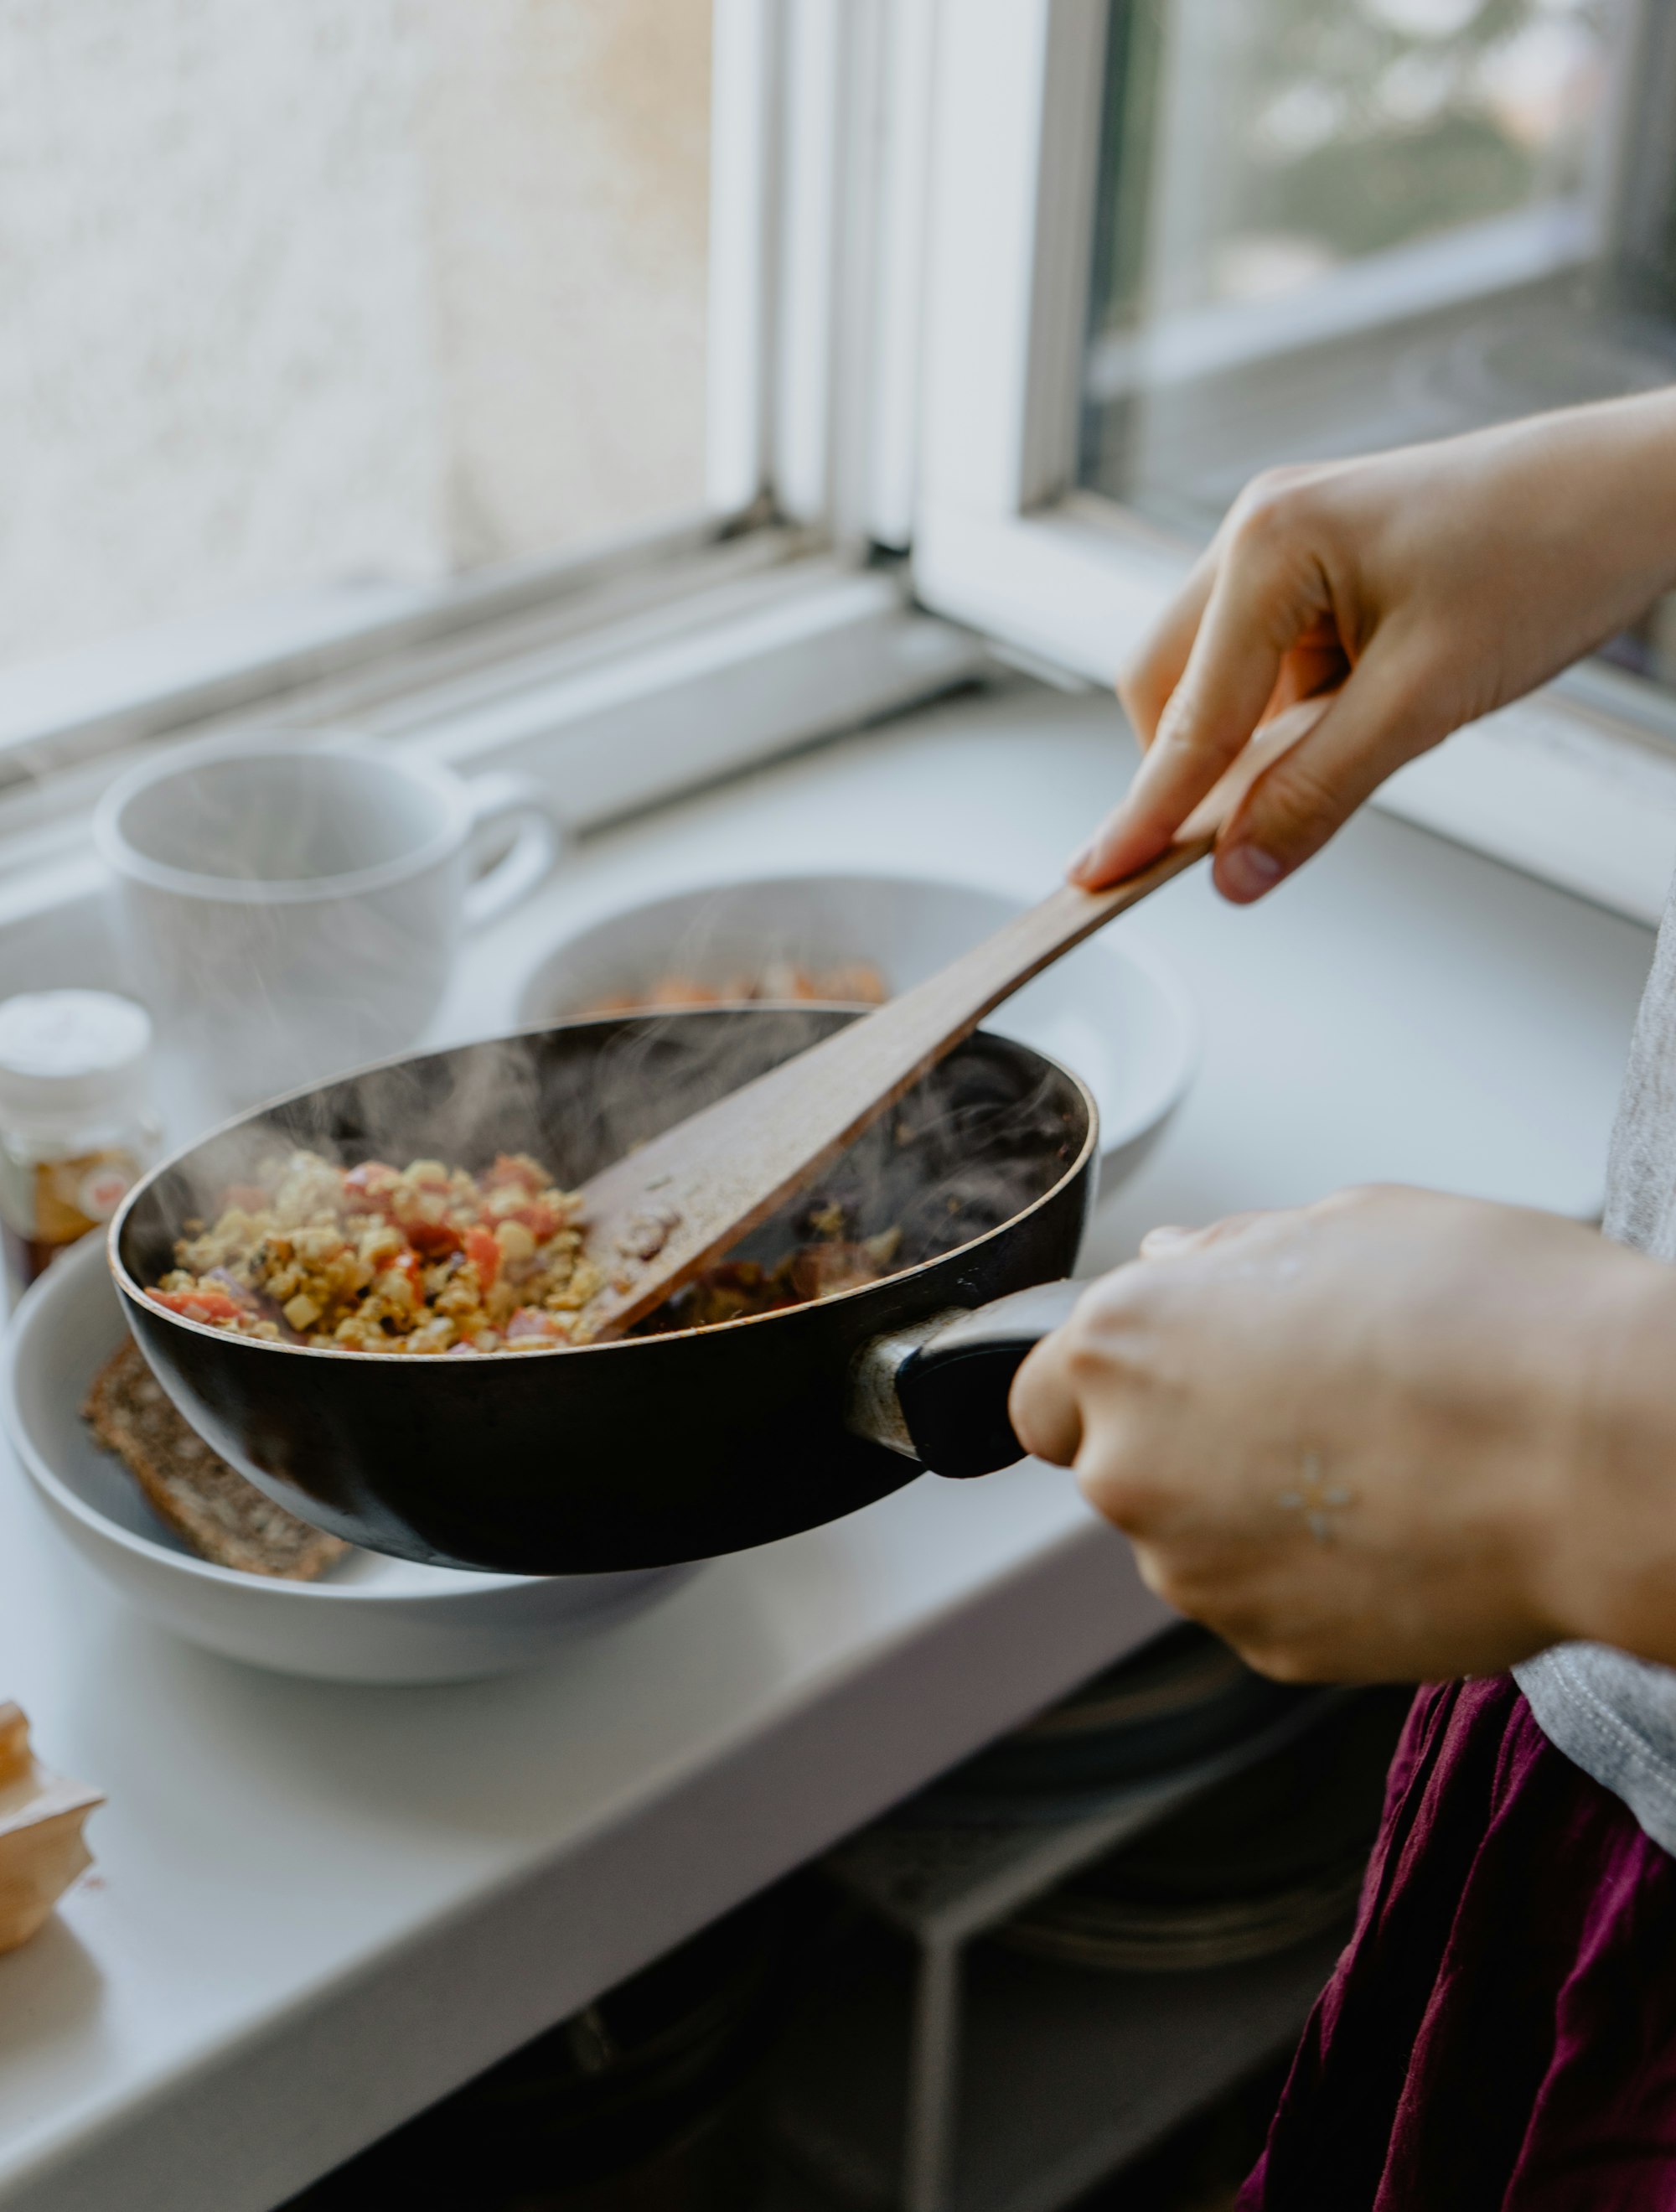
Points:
(291, 908)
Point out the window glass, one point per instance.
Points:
(301, 292)
(1330, 225)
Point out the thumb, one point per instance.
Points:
(1379, 719)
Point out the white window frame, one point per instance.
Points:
(799, 93)
(1577, 785)
(626, 671)
(901, 196)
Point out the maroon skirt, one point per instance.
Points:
(1500, 2034)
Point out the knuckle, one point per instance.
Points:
(1158, 1578)
(1271, 511)
(1099, 1338)
(1249, 1626)
(1184, 732)
(1116, 1486)
(1360, 1198)
(1286, 475)
(1086, 1359)
(1290, 1662)
(1159, 1573)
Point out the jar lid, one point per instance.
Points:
(69, 1053)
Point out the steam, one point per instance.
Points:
(978, 1140)
(303, 928)
(266, 991)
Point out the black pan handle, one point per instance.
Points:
(938, 1393)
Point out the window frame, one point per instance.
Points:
(798, 371)
(626, 671)
(1578, 785)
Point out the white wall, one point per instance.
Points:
(292, 290)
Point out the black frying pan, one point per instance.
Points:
(657, 1448)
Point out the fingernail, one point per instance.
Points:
(1080, 858)
(1246, 871)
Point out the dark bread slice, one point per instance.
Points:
(224, 1518)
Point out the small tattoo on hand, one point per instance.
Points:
(1316, 1499)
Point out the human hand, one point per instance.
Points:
(1392, 1435)
(1412, 592)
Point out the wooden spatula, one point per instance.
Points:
(686, 1198)
(656, 1217)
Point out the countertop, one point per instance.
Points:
(315, 1909)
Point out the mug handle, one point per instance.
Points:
(528, 861)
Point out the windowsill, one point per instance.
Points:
(77, 705)
(637, 691)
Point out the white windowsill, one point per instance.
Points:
(630, 698)
(115, 692)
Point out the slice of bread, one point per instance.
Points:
(224, 1518)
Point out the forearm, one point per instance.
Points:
(1607, 1566)
(1587, 499)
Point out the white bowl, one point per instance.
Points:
(367, 1620)
(1112, 1010)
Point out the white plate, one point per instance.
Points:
(367, 1620)
(1112, 1010)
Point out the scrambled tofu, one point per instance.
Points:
(421, 1259)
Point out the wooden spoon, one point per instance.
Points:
(685, 1198)
(654, 1217)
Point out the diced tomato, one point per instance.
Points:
(541, 1221)
(433, 1239)
(200, 1305)
(484, 1254)
(369, 1187)
(411, 1265)
(529, 1323)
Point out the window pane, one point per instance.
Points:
(295, 293)
(1329, 225)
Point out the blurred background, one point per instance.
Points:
(302, 293)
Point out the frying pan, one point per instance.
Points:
(657, 1448)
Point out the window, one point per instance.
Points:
(304, 294)
(502, 378)
(1175, 242)
(1324, 228)
(326, 335)
(1321, 227)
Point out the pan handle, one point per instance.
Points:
(938, 1393)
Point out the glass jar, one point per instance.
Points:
(77, 1124)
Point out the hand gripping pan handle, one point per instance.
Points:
(938, 1393)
